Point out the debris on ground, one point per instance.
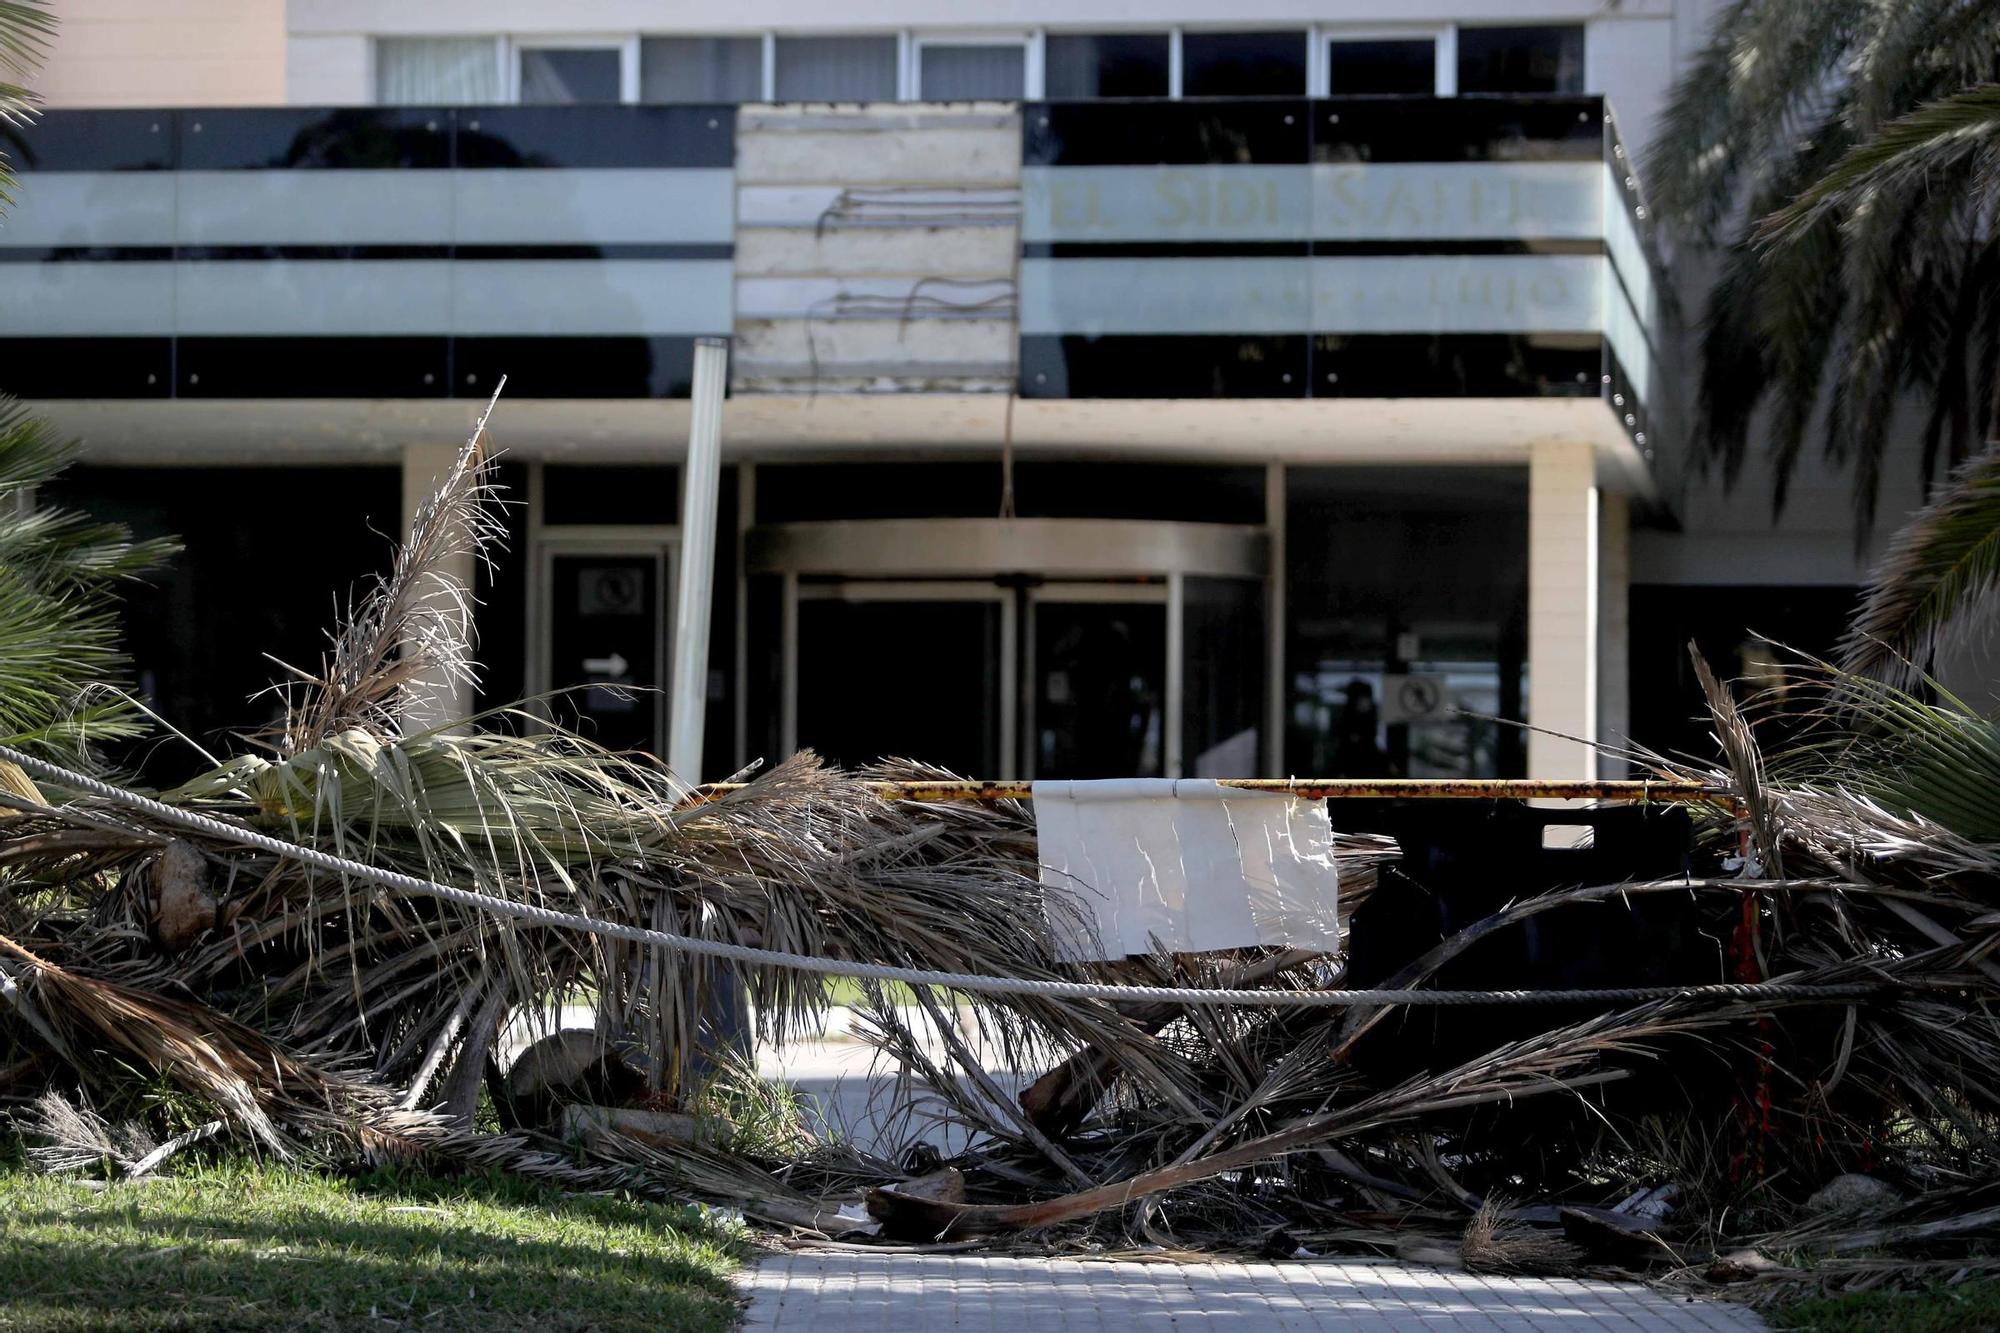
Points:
(162, 989)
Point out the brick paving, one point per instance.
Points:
(843, 1292)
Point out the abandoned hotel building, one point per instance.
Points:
(1220, 390)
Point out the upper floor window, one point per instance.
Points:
(1116, 64)
(971, 71)
(1543, 59)
(1384, 65)
(562, 75)
(701, 69)
(432, 71)
(836, 69)
(1243, 64)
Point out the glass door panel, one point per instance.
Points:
(907, 672)
(1099, 684)
(606, 617)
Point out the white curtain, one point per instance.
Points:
(436, 71)
(836, 69)
(954, 73)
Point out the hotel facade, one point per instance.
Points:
(1113, 390)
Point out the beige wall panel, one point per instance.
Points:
(166, 53)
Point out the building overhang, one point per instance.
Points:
(779, 428)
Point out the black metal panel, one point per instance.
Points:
(1153, 133)
(84, 254)
(1456, 365)
(1163, 366)
(574, 367)
(87, 367)
(349, 138)
(1302, 249)
(91, 141)
(1458, 129)
(1623, 400)
(269, 367)
(596, 136)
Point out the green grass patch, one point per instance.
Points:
(850, 992)
(1970, 1305)
(243, 1246)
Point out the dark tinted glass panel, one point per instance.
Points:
(853, 712)
(574, 367)
(1080, 65)
(1406, 598)
(968, 73)
(1100, 689)
(91, 141)
(1222, 715)
(701, 69)
(1180, 492)
(811, 492)
(87, 367)
(1162, 366)
(1460, 129)
(574, 493)
(604, 638)
(1521, 60)
(597, 136)
(249, 138)
(203, 629)
(836, 69)
(1243, 64)
(562, 76)
(1074, 134)
(1407, 68)
(311, 367)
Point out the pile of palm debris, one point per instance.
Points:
(161, 990)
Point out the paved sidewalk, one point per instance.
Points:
(829, 1292)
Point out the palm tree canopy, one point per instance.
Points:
(1882, 275)
(25, 29)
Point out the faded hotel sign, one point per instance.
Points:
(1391, 201)
(1233, 281)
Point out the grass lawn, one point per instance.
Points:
(1971, 1305)
(245, 1246)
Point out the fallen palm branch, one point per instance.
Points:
(319, 1013)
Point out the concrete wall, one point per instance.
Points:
(166, 53)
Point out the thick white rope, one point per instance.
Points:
(961, 981)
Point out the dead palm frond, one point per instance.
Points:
(411, 636)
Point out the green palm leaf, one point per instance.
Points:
(1938, 572)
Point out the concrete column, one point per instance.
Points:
(1562, 609)
(1614, 629)
(424, 465)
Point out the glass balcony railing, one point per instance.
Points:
(1267, 248)
(401, 252)
(1346, 247)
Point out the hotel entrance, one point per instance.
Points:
(1030, 648)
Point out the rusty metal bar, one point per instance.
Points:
(1336, 789)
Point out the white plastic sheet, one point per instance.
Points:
(1130, 865)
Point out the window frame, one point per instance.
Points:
(625, 44)
(1176, 72)
(910, 84)
(767, 56)
(772, 36)
(1444, 52)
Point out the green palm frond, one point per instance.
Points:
(59, 573)
(25, 29)
(1938, 137)
(1835, 153)
(1941, 568)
